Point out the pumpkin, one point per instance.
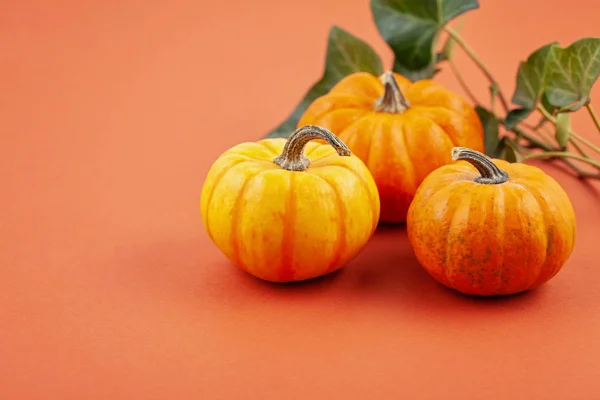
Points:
(488, 227)
(401, 130)
(290, 210)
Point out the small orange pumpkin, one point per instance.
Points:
(487, 227)
(284, 216)
(401, 130)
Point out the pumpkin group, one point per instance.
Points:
(487, 227)
(290, 210)
(401, 130)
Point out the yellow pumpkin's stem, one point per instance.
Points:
(490, 174)
(292, 157)
(392, 101)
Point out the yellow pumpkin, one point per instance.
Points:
(401, 130)
(289, 210)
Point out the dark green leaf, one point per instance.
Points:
(571, 72)
(415, 75)
(491, 131)
(439, 57)
(531, 78)
(411, 28)
(509, 152)
(346, 54)
(515, 116)
(563, 128)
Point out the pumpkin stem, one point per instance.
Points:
(392, 101)
(292, 157)
(490, 173)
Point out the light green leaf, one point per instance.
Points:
(491, 139)
(563, 128)
(411, 28)
(531, 78)
(346, 54)
(571, 72)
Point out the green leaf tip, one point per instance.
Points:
(411, 28)
(531, 78)
(346, 54)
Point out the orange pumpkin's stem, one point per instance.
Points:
(392, 101)
(292, 157)
(490, 173)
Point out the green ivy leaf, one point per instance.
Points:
(571, 72)
(563, 128)
(346, 54)
(411, 29)
(558, 78)
(531, 78)
(491, 138)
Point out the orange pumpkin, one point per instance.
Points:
(401, 130)
(284, 216)
(487, 227)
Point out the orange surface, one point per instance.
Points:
(112, 113)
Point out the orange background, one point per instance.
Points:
(111, 114)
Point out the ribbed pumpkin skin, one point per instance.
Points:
(281, 225)
(401, 149)
(496, 239)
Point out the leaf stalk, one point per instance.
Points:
(593, 114)
(548, 150)
(471, 53)
(574, 134)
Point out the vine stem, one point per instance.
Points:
(539, 129)
(575, 135)
(462, 82)
(593, 115)
(580, 172)
(579, 148)
(547, 148)
(537, 143)
(456, 36)
(547, 136)
(550, 154)
(541, 134)
(549, 151)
